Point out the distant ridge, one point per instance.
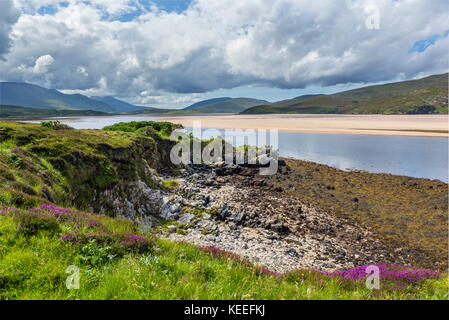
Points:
(206, 102)
(225, 105)
(422, 96)
(118, 105)
(33, 96)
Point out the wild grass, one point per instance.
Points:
(32, 266)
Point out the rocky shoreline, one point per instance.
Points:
(233, 208)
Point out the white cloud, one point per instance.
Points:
(223, 44)
(42, 64)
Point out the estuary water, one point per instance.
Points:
(421, 157)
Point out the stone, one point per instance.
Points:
(186, 219)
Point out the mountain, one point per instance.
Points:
(426, 95)
(33, 96)
(118, 105)
(225, 105)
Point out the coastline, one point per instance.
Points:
(390, 125)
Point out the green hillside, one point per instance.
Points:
(21, 112)
(427, 95)
(231, 105)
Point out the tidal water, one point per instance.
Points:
(420, 157)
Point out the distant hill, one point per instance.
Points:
(225, 105)
(16, 112)
(299, 98)
(426, 95)
(33, 96)
(206, 102)
(118, 105)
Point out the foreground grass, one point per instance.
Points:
(32, 266)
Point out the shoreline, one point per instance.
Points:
(383, 125)
(380, 125)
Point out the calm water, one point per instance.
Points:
(410, 156)
(419, 157)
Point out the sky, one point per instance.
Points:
(172, 53)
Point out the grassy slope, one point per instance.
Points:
(400, 97)
(32, 265)
(21, 112)
(229, 106)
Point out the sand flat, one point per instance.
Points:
(398, 125)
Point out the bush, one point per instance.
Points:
(146, 128)
(30, 223)
(55, 125)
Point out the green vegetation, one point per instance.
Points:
(147, 128)
(15, 112)
(55, 125)
(47, 171)
(40, 164)
(224, 105)
(423, 96)
(129, 264)
(169, 184)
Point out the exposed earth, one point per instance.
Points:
(235, 209)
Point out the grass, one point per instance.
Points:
(170, 184)
(33, 267)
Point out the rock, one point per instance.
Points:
(222, 210)
(171, 228)
(292, 252)
(279, 228)
(237, 217)
(170, 211)
(186, 219)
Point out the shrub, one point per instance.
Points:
(55, 125)
(147, 128)
(6, 173)
(30, 223)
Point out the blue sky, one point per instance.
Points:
(265, 49)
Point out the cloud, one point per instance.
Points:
(42, 64)
(217, 44)
(8, 17)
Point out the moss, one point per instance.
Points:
(170, 184)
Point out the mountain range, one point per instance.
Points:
(426, 95)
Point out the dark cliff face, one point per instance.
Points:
(73, 167)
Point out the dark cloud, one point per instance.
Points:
(8, 16)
